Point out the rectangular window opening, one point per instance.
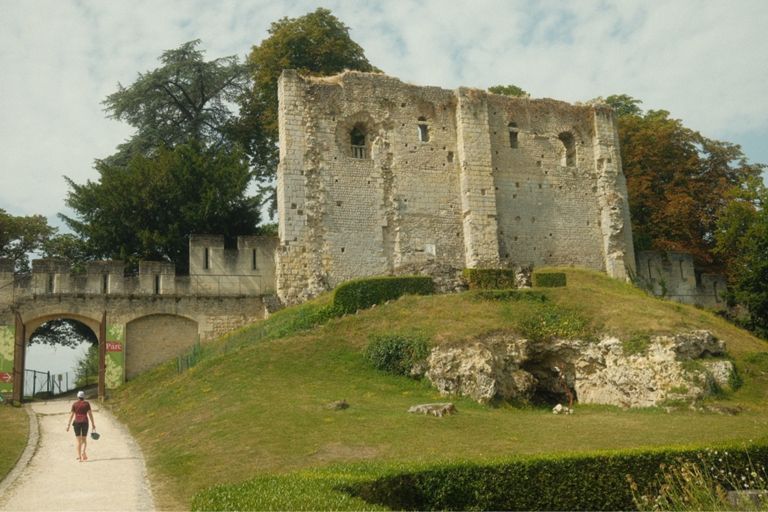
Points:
(105, 283)
(157, 284)
(254, 266)
(207, 259)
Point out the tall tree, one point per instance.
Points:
(185, 100)
(20, 236)
(677, 180)
(314, 44)
(182, 172)
(146, 209)
(742, 240)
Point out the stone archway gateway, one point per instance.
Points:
(25, 329)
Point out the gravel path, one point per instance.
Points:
(113, 478)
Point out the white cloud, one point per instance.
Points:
(703, 60)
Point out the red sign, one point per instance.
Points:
(6, 377)
(113, 346)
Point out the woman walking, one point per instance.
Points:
(81, 411)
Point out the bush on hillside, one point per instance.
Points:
(395, 353)
(359, 294)
(489, 278)
(552, 321)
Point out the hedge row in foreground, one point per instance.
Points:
(572, 482)
(364, 293)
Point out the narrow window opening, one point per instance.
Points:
(105, 283)
(423, 130)
(512, 127)
(357, 142)
(207, 259)
(254, 266)
(157, 284)
(714, 289)
(569, 149)
(49, 285)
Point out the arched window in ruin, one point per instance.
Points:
(357, 141)
(568, 157)
(512, 127)
(423, 129)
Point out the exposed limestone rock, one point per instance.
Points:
(561, 409)
(503, 366)
(439, 409)
(523, 276)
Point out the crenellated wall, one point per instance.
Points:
(376, 175)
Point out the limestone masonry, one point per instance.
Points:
(377, 176)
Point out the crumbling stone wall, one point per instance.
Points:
(376, 175)
(673, 275)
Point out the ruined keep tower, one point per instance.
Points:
(376, 176)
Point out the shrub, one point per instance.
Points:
(489, 278)
(551, 321)
(549, 279)
(394, 353)
(364, 293)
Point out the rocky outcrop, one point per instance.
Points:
(439, 410)
(503, 366)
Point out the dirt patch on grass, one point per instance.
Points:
(334, 452)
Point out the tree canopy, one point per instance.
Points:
(677, 180)
(146, 209)
(317, 43)
(184, 100)
(182, 172)
(20, 236)
(742, 240)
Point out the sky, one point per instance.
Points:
(702, 60)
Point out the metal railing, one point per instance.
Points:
(47, 384)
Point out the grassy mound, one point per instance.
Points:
(255, 403)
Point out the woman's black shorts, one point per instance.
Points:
(81, 429)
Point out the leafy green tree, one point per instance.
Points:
(742, 240)
(185, 100)
(87, 368)
(677, 180)
(314, 44)
(20, 236)
(182, 172)
(509, 90)
(146, 209)
(64, 332)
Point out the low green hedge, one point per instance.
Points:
(489, 278)
(364, 293)
(567, 482)
(549, 279)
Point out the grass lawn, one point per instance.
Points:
(15, 424)
(259, 407)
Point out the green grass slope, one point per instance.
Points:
(15, 424)
(255, 404)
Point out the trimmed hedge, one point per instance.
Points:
(364, 293)
(489, 278)
(569, 482)
(549, 279)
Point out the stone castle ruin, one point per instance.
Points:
(381, 177)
